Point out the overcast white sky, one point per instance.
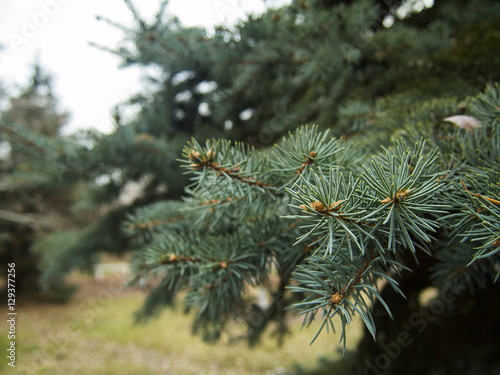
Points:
(88, 82)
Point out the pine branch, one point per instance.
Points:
(136, 15)
(30, 219)
(207, 160)
(496, 202)
(21, 139)
(120, 27)
(154, 223)
(336, 298)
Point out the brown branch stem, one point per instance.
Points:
(336, 298)
(491, 200)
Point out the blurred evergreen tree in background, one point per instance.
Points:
(32, 204)
(368, 73)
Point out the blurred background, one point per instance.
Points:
(58, 35)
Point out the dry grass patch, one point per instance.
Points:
(94, 334)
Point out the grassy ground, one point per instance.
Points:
(94, 334)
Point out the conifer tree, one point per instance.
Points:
(400, 173)
(336, 226)
(340, 226)
(34, 201)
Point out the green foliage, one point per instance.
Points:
(34, 197)
(333, 234)
(310, 62)
(325, 219)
